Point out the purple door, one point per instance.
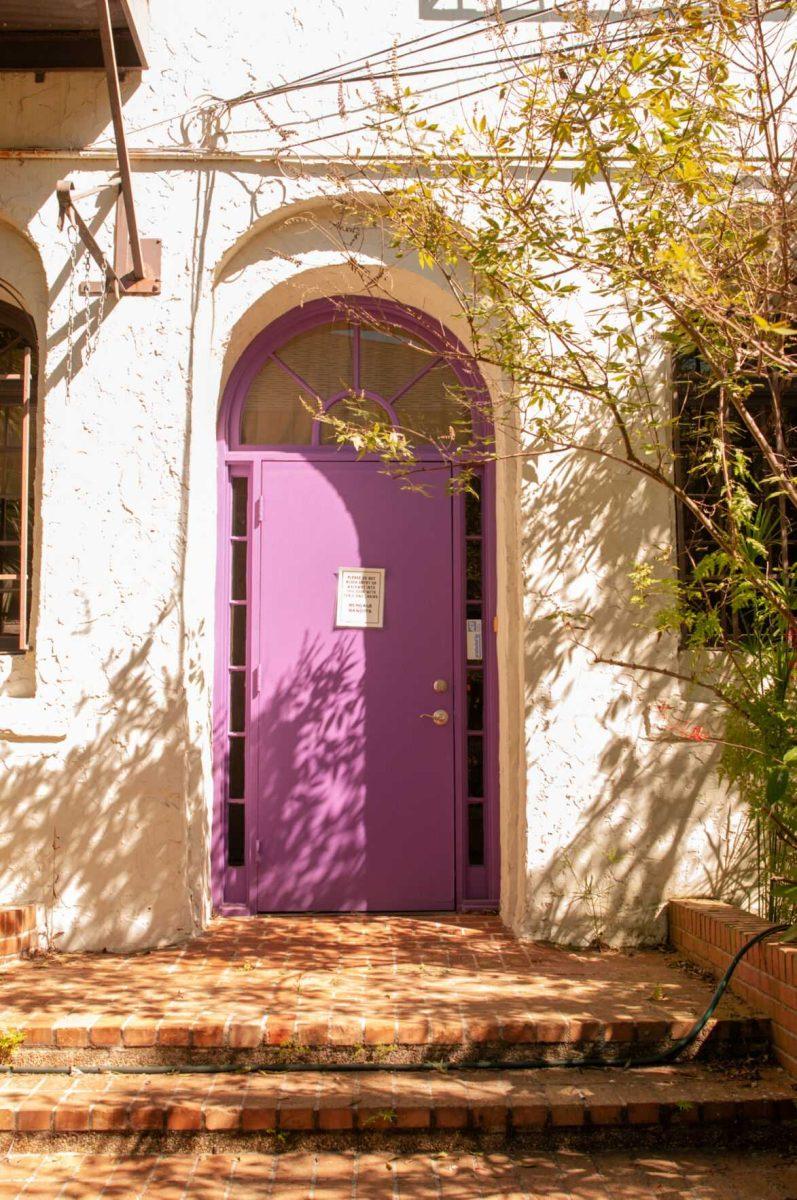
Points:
(354, 787)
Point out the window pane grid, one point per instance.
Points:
(376, 374)
(237, 674)
(474, 680)
(695, 412)
(476, 834)
(235, 835)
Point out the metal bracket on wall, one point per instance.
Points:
(119, 277)
(150, 248)
(136, 269)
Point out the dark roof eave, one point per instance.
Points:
(71, 49)
(23, 50)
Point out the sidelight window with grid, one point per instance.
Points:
(236, 673)
(474, 674)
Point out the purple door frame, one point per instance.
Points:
(234, 887)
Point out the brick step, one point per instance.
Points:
(549, 1105)
(81, 1039)
(20, 931)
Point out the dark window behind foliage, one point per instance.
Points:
(697, 471)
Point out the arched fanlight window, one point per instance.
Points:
(17, 413)
(362, 372)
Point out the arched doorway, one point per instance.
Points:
(355, 722)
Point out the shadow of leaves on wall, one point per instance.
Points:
(109, 825)
(618, 820)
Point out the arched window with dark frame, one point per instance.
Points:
(18, 366)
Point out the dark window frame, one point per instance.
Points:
(18, 394)
(689, 403)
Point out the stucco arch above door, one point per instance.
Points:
(310, 209)
(400, 286)
(296, 254)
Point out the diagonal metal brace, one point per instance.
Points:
(136, 267)
(65, 191)
(115, 99)
(119, 277)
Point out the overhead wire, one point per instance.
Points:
(457, 64)
(332, 75)
(452, 63)
(336, 76)
(425, 108)
(434, 66)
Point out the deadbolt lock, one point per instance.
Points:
(440, 685)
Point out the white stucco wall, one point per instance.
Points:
(105, 767)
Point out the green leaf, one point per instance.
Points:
(781, 330)
(790, 756)
(690, 170)
(777, 783)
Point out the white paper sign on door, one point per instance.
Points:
(473, 638)
(361, 598)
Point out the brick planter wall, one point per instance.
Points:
(21, 931)
(710, 934)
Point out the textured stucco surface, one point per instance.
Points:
(105, 728)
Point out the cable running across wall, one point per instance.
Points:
(377, 124)
(332, 75)
(388, 57)
(391, 55)
(435, 88)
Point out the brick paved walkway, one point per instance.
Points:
(348, 980)
(567, 1174)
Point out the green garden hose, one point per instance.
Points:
(660, 1059)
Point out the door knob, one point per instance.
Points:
(439, 716)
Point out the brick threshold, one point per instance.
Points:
(726, 1136)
